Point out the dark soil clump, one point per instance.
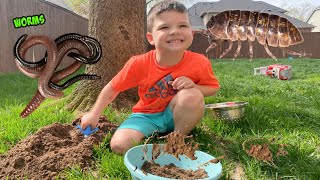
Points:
(52, 149)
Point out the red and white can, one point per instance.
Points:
(280, 71)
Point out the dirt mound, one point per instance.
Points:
(50, 150)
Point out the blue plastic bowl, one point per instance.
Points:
(133, 161)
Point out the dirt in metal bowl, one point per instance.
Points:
(229, 111)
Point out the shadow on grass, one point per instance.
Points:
(261, 119)
(16, 89)
(297, 164)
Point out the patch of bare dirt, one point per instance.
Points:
(175, 145)
(238, 173)
(51, 150)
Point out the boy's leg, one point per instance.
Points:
(188, 109)
(133, 130)
(124, 139)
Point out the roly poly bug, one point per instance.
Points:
(268, 29)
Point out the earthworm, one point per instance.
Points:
(90, 52)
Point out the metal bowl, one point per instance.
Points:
(229, 111)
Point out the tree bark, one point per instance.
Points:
(119, 26)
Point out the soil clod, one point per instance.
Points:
(264, 151)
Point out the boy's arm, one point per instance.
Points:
(206, 90)
(107, 95)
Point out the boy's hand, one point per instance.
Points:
(89, 119)
(181, 82)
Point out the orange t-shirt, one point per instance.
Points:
(154, 91)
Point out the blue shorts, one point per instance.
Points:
(150, 123)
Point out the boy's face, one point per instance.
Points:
(171, 32)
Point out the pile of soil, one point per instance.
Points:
(51, 150)
(264, 152)
(173, 172)
(260, 152)
(175, 145)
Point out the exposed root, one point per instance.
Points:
(145, 149)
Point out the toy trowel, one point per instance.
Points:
(88, 131)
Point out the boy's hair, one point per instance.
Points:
(164, 6)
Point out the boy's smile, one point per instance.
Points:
(171, 32)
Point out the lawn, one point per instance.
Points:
(287, 111)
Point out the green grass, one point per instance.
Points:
(288, 111)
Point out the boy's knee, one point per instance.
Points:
(191, 98)
(121, 142)
(117, 146)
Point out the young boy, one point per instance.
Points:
(172, 81)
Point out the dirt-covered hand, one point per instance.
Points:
(181, 82)
(89, 119)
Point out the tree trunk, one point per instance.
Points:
(119, 26)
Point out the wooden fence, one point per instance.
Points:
(310, 48)
(58, 21)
